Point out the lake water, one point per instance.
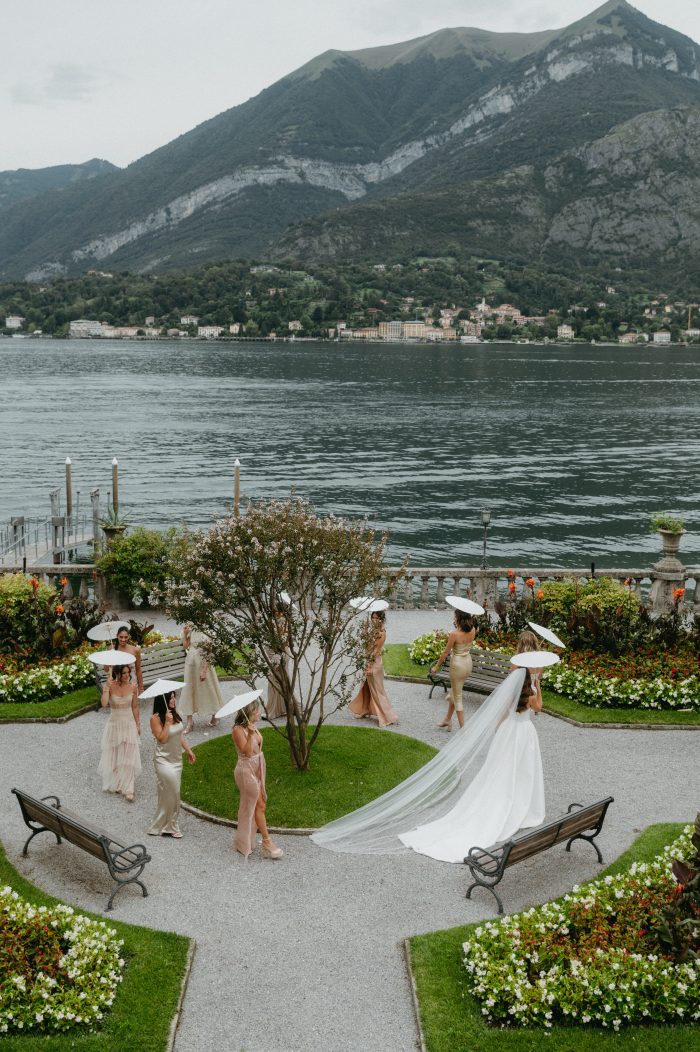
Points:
(571, 448)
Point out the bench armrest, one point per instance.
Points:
(486, 863)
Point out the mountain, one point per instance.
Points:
(511, 143)
(23, 183)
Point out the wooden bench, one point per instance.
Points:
(579, 823)
(489, 668)
(125, 864)
(162, 661)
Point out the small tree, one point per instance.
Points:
(230, 586)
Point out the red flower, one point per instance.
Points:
(510, 573)
(60, 609)
(511, 587)
(34, 583)
(64, 582)
(539, 594)
(530, 582)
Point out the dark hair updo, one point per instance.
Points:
(525, 693)
(465, 621)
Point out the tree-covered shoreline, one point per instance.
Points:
(259, 299)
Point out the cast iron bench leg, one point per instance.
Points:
(591, 841)
(36, 833)
(480, 884)
(122, 884)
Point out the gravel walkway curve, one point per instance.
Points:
(305, 953)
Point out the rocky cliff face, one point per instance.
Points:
(431, 124)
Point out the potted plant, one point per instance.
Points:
(671, 529)
(113, 525)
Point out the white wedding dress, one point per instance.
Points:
(483, 786)
(506, 795)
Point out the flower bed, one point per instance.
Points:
(58, 969)
(42, 683)
(616, 693)
(426, 649)
(593, 958)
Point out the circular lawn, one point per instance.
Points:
(349, 766)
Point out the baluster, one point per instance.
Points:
(440, 594)
(424, 583)
(408, 593)
(83, 590)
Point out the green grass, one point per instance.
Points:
(147, 999)
(398, 663)
(452, 1020)
(349, 767)
(16, 712)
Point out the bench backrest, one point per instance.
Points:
(162, 661)
(544, 837)
(51, 817)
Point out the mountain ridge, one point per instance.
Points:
(399, 120)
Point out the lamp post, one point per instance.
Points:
(115, 484)
(237, 487)
(69, 488)
(485, 522)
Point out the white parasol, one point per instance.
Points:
(535, 659)
(161, 686)
(238, 702)
(368, 604)
(112, 657)
(547, 634)
(468, 606)
(106, 630)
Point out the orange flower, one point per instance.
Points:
(530, 582)
(64, 582)
(60, 609)
(34, 583)
(678, 594)
(539, 594)
(511, 587)
(510, 573)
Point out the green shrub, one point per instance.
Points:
(426, 649)
(601, 614)
(664, 520)
(30, 622)
(140, 562)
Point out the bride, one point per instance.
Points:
(479, 790)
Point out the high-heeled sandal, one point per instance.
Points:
(272, 851)
(445, 725)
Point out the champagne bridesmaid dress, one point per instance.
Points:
(250, 779)
(168, 764)
(460, 670)
(202, 696)
(371, 699)
(120, 760)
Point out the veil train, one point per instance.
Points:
(431, 791)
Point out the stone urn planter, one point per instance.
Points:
(112, 532)
(670, 542)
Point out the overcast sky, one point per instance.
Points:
(84, 78)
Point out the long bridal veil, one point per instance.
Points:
(431, 791)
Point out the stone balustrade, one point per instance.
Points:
(425, 588)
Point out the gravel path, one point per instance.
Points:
(305, 953)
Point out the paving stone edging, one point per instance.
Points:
(175, 1021)
(579, 723)
(414, 994)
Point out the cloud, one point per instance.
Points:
(63, 83)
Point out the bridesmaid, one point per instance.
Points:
(123, 643)
(371, 699)
(250, 779)
(459, 644)
(166, 727)
(201, 693)
(120, 760)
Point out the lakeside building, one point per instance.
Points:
(391, 330)
(209, 332)
(14, 321)
(189, 319)
(565, 332)
(83, 328)
(662, 337)
(414, 330)
(295, 326)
